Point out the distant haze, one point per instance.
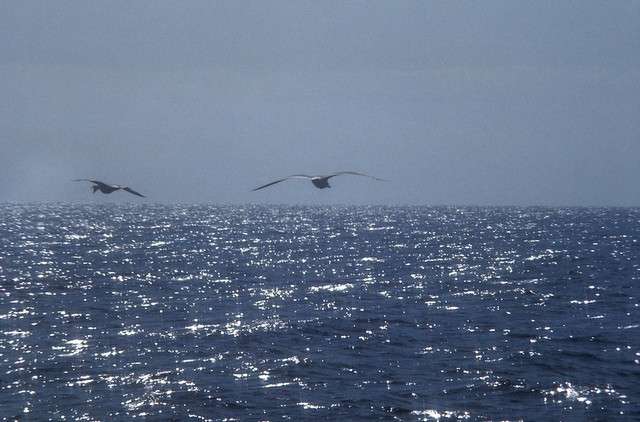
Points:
(488, 103)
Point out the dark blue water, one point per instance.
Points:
(268, 313)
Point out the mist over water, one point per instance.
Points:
(266, 313)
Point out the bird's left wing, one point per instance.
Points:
(293, 176)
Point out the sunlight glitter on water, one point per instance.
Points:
(117, 312)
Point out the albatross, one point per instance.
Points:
(320, 182)
(107, 188)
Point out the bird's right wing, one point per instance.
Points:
(134, 192)
(293, 176)
(355, 173)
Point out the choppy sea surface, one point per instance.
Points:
(109, 312)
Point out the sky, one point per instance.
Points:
(455, 103)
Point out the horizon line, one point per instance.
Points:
(289, 204)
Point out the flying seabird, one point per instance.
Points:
(320, 182)
(106, 188)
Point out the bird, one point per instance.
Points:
(319, 182)
(107, 188)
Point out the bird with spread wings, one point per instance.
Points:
(319, 182)
(107, 188)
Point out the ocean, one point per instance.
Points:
(199, 312)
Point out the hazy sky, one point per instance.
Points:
(466, 102)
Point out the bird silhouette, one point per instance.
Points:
(107, 188)
(320, 182)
